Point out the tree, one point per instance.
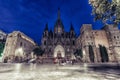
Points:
(1, 48)
(79, 53)
(91, 53)
(38, 51)
(106, 10)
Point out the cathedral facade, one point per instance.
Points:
(58, 43)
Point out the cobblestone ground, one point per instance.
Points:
(55, 72)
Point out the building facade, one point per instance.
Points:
(108, 37)
(18, 47)
(58, 43)
(96, 45)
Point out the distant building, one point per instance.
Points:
(58, 43)
(3, 36)
(18, 46)
(108, 37)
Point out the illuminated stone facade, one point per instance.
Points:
(109, 37)
(58, 42)
(18, 46)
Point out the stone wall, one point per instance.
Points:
(18, 45)
(109, 37)
(100, 38)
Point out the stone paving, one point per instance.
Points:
(55, 72)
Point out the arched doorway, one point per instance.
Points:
(59, 52)
(19, 54)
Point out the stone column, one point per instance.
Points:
(117, 54)
(95, 55)
(98, 55)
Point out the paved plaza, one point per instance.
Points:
(55, 72)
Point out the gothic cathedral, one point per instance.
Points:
(58, 43)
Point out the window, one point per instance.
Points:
(59, 30)
(19, 35)
(24, 45)
(20, 44)
(67, 42)
(87, 37)
(114, 37)
(73, 42)
(50, 50)
(91, 37)
(95, 32)
(44, 42)
(118, 37)
(92, 43)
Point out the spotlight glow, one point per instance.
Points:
(19, 52)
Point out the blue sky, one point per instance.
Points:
(30, 16)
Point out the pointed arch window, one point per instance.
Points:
(44, 42)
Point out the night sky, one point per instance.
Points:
(30, 16)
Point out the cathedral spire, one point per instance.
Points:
(58, 13)
(71, 27)
(46, 27)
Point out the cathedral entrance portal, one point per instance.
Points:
(59, 52)
(59, 55)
